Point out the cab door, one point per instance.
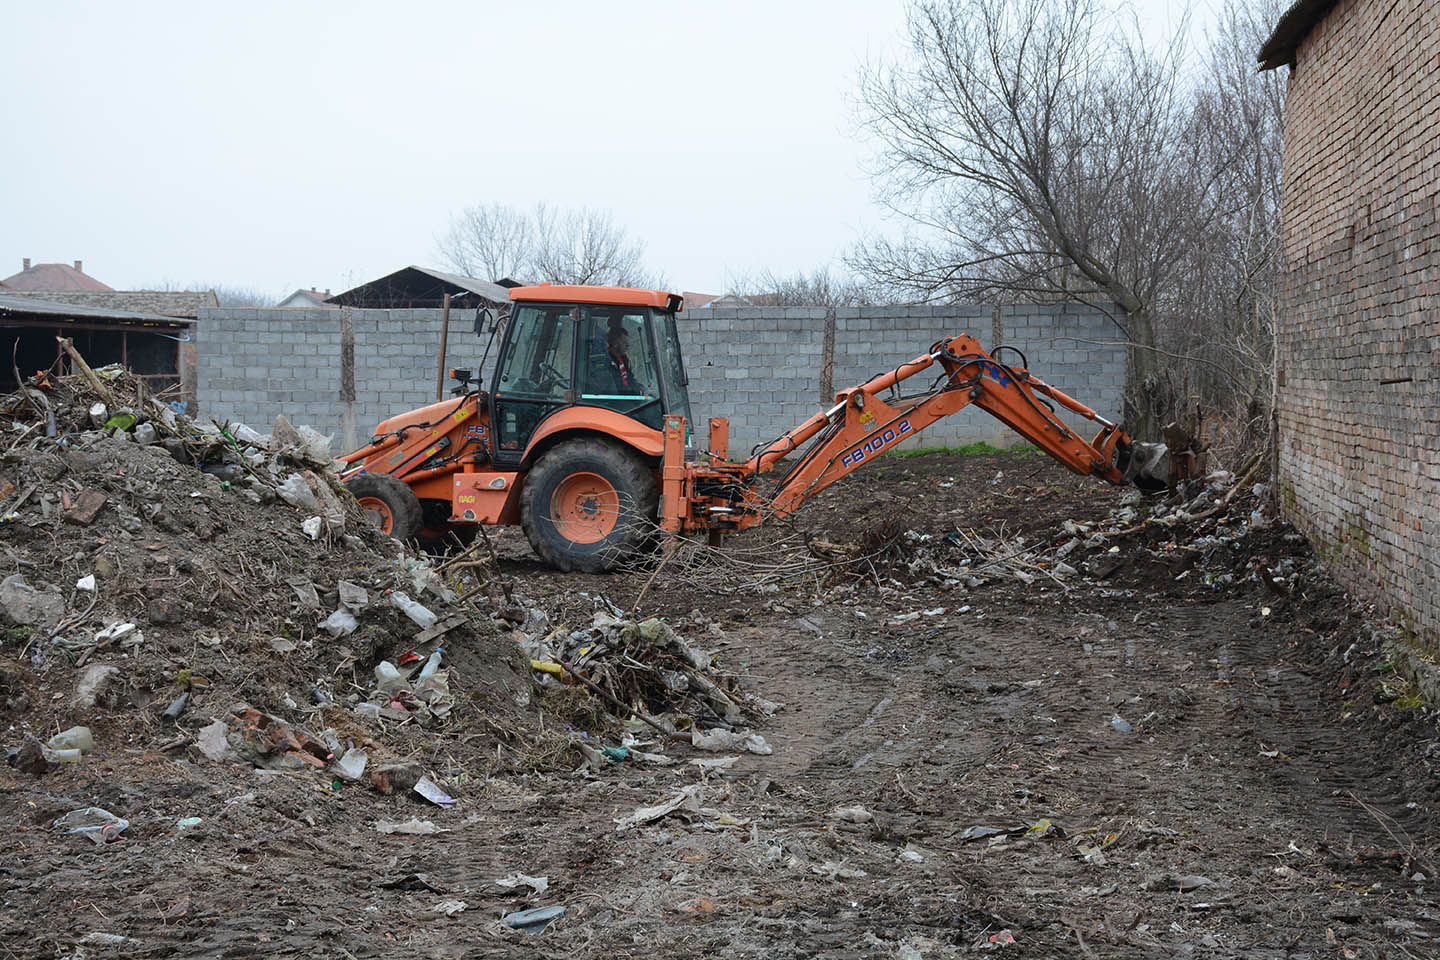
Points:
(534, 377)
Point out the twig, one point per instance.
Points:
(103, 391)
(596, 688)
(668, 551)
(1409, 844)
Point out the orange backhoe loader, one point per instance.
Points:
(581, 438)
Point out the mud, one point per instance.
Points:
(1202, 766)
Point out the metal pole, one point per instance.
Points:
(444, 339)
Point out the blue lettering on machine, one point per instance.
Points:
(875, 444)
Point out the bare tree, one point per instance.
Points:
(818, 288)
(489, 241)
(493, 241)
(1039, 151)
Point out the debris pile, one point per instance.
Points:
(208, 591)
(1218, 530)
(651, 675)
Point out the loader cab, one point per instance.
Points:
(620, 352)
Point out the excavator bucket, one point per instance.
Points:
(1149, 467)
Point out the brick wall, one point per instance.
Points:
(761, 367)
(1358, 337)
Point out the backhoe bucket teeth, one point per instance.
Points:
(1148, 466)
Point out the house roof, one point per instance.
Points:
(306, 298)
(166, 303)
(12, 306)
(414, 286)
(1291, 30)
(53, 276)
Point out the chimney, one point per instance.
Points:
(77, 267)
(25, 264)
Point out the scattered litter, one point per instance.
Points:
(188, 823)
(410, 881)
(534, 920)
(351, 766)
(1121, 724)
(832, 870)
(313, 527)
(417, 612)
(537, 885)
(413, 827)
(1002, 939)
(76, 738)
(730, 740)
(86, 583)
(687, 800)
(854, 814)
(449, 907)
(430, 791)
(98, 824)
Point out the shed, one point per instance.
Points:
(422, 287)
(158, 348)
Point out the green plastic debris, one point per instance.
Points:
(121, 421)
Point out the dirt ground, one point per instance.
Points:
(1159, 756)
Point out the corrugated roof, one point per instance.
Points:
(1291, 30)
(53, 276)
(414, 286)
(11, 305)
(166, 303)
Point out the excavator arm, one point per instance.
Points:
(874, 417)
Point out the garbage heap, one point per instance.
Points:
(209, 591)
(205, 590)
(647, 674)
(1213, 532)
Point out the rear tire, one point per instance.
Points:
(589, 505)
(389, 504)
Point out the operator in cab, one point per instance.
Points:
(619, 345)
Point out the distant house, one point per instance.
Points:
(306, 298)
(697, 301)
(52, 276)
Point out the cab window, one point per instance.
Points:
(618, 368)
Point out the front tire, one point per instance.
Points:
(389, 504)
(589, 505)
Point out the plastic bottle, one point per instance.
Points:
(76, 738)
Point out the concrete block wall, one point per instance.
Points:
(760, 366)
(1357, 340)
(255, 364)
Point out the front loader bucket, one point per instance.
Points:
(1147, 465)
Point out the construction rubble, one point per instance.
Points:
(955, 715)
(214, 591)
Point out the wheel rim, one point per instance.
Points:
(585, 508)
(378, 512)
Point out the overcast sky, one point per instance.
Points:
(285, 145)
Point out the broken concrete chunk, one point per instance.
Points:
(313, 527)
(28, 607)
(93, 682)
(213, 743)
